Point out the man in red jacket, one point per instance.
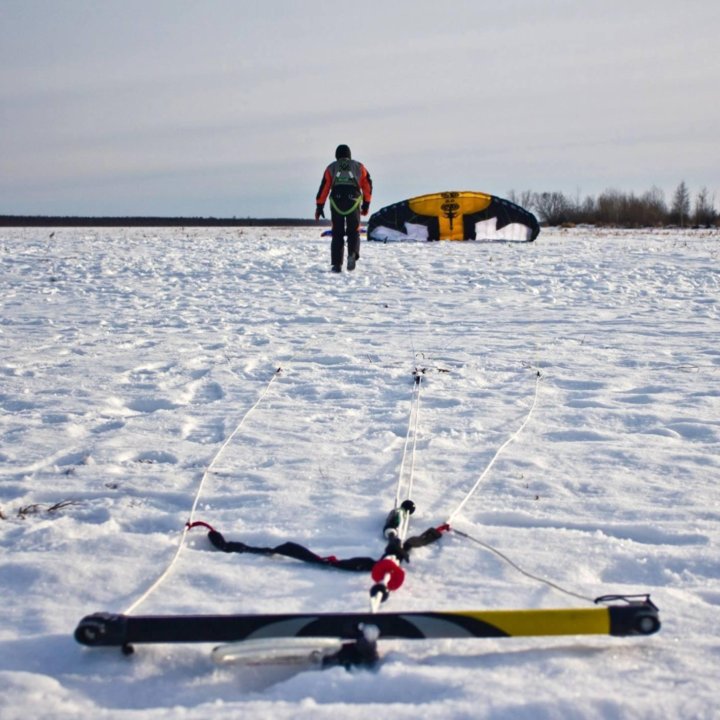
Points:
(349, 186)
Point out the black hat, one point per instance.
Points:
(343, 151)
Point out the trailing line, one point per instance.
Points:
(198, 493)
(521, 570)
(497, 454)
(413, 423)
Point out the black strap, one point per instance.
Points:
(292, 550)
(430, 536)
(401, 550)
(299, 552)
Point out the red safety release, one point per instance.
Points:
(387, 567)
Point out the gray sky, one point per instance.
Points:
(234, 108)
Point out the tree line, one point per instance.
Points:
(148, 221)
(622, 209)
(611, 207)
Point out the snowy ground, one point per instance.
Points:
(130, 355)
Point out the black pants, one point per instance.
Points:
(342, 226)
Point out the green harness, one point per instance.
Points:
(354, 207)
(345, 176)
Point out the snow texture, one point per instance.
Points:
(129, 356)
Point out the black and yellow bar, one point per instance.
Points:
(106, 629)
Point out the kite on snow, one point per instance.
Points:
(454, 215)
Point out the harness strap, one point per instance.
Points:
(354, 207)
(288, 549)
(299, 552)
(430, 536)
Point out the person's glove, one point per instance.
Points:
(319, 212)
(365, 208)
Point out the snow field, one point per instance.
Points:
(129, 356)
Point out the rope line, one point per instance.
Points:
(505, 558)
(413, 455)
(521, 570)
(412, 430)
(387, 573)
(405, 485)
(497, 454)
(181, 543)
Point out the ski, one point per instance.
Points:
(632, 617)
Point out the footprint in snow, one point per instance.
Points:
(156, 456)
(151, 405)
(109, 427)
(209, 392)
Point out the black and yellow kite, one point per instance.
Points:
(455, 215)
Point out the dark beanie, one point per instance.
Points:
(343, 151)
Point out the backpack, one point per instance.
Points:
(344, 173)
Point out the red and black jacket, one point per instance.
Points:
(345, 182)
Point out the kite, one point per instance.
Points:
(455, 215)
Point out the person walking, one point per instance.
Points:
(349, 186)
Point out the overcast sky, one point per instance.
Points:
(234, 107)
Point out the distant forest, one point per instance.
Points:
(611, 207)
(131, 221)
(621, 209)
